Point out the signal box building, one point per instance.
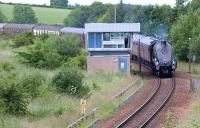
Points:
(108, 45)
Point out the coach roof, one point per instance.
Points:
(48, 27)
(143, 39)
(19, 26)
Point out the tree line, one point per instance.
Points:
(22, 14)
(172, 23)
(177, 24)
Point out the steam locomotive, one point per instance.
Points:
(154, 53)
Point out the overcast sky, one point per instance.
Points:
(88, 2)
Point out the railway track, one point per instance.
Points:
(145, 113)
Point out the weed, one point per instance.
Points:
(169, 120)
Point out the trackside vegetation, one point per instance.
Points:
(43, 52)
(31, 95)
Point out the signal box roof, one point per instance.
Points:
(112, 27)
(72, 30)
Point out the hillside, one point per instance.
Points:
(44, 15)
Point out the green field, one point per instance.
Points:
(44, 15)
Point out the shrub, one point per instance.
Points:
(12, 99)
(41, 57)
(43, 37)
(78, 61)
(68, 46)
(23, 39)
(6, 66)
(29, 81)
(2, 107)
(53, 52)
(5, 35)
(70, 81)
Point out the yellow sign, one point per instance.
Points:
(83, 104)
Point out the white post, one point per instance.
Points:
(115, 13)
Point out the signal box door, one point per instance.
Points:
(123, 64)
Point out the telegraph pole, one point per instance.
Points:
(116, 13)
(139, 58)
(189, 68)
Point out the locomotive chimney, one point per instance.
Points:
(164, 42)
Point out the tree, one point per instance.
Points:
(108, 17)
(2, 17)
(120, 12)
(180, 7)
(97, 12)
(194, 5)
(24, 14)
(184, 29)
(59, 3)
(78, 17)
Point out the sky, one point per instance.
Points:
(88, 2)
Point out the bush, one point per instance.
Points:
(23, 39)
(2, 107)
(43, 37)
(6, 66)
(41, 57)
(78, 61)
(53, 52)
(70, 81)
(12, 99)
(68, 46)
(29, 81)
(5, 35)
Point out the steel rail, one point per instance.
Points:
(142, 106)
(145, 103)
(162, 105)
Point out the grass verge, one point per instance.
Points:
(195, 68)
